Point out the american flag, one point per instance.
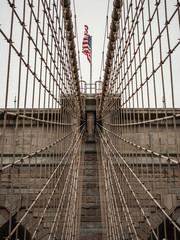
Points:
(86, 45)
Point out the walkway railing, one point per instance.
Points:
(94, 88)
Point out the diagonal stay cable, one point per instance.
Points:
(71, 147)
(144, 122)
(35, 119)
(129, 185)
(122, 198)
(168, 159)
(143, 186)
(57, 182)
(120, 194)
(39, 150)
(60, 205)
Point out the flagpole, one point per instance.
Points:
(91, 69)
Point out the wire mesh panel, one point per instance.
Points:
(139, 121)
(40, 116)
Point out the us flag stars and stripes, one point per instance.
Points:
(86, 45)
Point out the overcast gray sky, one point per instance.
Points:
(93, 14)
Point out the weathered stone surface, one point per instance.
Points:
(90, 172)
(92, 231)
(90, 218)
(90, 225)
(85, 237)
(90, 199)
(90, 179)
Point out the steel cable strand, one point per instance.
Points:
(122, 199)
(39, 150)
(110, 200)
(74, 218)
(57, 182)
(144, 187)
(53, 31)
(66, 221)
(44, 187)
(59, 209)
(35, 119)
(168, 159)
(130, 187)
(37, 50)
(119, 218)
(143, 122)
